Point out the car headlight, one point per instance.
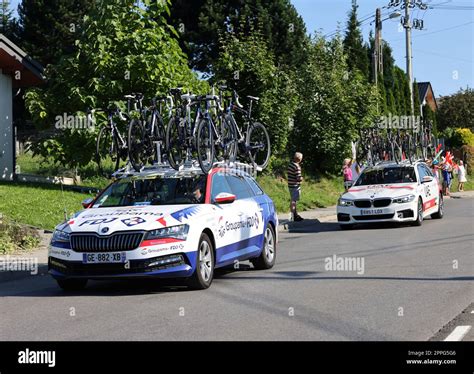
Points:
(404, 199)
(177, 232)
(345, 202)
(60, 236)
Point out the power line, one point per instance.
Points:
(438, 31)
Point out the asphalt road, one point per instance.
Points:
(415, 281)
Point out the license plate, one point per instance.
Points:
(369, 212)
(104, 258)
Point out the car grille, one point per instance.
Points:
(373, 217)
(377, 203)
(90, 242)
(380, 203)
(362, 203)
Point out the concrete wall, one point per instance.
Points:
(6, 128)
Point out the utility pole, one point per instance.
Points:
(408, 51)
(378, 64)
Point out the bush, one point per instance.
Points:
(14, 236)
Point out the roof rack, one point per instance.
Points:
(189, 168)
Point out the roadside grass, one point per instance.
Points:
(38, 165)
(39, 205)
(468, 186)
(315, 192)
(16, 237)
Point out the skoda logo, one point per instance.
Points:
(104, 230)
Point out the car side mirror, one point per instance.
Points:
(348, 184)
(427, 179)
(87, 203)
(224, 198)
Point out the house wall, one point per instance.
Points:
(6, 128)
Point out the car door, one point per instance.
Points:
(250, 216)
(424, 189)
(431, 192)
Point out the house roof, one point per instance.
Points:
(14, 60)
(423, 89)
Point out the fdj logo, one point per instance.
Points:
(92, 222)
(253, 221)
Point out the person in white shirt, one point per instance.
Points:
(461, 176)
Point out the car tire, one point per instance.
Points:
(267, 257)
(419, 214)
(72, 284)
(346, 227)
(204, 272)
(440, 213)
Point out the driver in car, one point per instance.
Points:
(198, 190)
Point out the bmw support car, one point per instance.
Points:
(391, 192)
(167, 224)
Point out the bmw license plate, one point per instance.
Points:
(104, 258)
(370, 212)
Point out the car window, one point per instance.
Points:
(219, 184)
(239, 187)
(388, 175)
(257, 190)
(421, 172)
(154, 191)
(428, 171)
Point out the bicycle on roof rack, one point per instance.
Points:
(111, 145)
(146, 133)
(254, 142)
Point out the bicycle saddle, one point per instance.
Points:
(253, 98)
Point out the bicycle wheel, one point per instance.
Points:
(258, 145)
(227, 149)
(408, 148)
(431, 146)
(136, 144)
(107, 153)
(205, 145)
(175, 143)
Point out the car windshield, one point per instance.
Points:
(153, 191)
(387, 176)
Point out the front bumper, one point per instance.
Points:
(393, 213)
(150, 267)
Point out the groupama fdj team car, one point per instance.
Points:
(391, 192)
(167, 224)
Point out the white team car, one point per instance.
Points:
(166, 224)
(391, 192)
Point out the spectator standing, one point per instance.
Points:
(294, 185)
(461, 176)
(347, 173)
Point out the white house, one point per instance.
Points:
(17, 70)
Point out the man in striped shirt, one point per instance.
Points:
(294, 184)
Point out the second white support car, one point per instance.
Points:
(391, 192)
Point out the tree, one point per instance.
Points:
(247, 65)
(49, 28)
(354, 47)
(203, 22)
(123, 48)
(335, 106)
(6, 18)
(457, 110)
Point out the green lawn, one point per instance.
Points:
(315, 193)
(38, 205)
(37, 165)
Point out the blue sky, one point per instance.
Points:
(443, 53)
(437, 56)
